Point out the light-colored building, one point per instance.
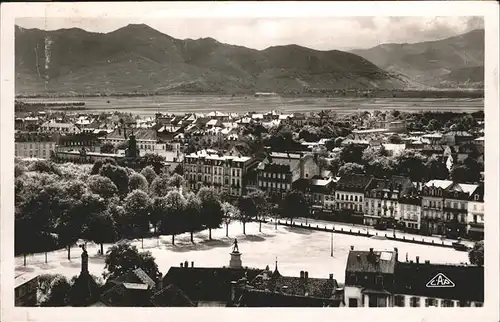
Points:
(225, 173)
(381, 198)
(34, 145)
(61, 128)
(350, 194)
(146, 139)
(475, 214)
(410, 212)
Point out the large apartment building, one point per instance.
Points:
(350, 194)
(225, 173)
(382, 196)
(445, 207)
(475, 214)
(34, 145)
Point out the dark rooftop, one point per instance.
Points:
(376, 262)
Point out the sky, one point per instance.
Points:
(321, 33)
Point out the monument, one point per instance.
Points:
(235, 261)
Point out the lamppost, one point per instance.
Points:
(331, 243)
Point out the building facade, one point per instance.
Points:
(225, 173)
(410, 212)
(350, 194)
(432, 206)
(34, 145)
(475, 214)
(381, 198)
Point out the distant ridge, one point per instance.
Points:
(452, 62)
(138, 58)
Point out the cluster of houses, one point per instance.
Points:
(373, 278)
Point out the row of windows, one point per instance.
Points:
(341, 196)
(448, 204)
(33, 154)
(274, 185)
(444, 216)
(274, 175)
(349, 206)
(399, 301)
(235, 172)
(34, 145)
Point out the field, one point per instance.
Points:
(296, 249)
(180, 104)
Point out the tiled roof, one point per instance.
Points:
(140, 134)
(207, 284)
(260, 298)
(412, 278)
(362, 261)
(121, 296)
(353, 182)
(171, 296)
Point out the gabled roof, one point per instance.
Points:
(353, 182)
(377, 262)
(443, 184)
(171, 296)
(121, 296)
(206, 283)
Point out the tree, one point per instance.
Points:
(380, 167)
(247, 210)
(262, 205)
(101, 228)
(118, 175)
(210, 209)
(53, 290)
(44, 166)
(476, 254)
(436, 169)
(172, 220)
(192, 214)
(411, 164)
(178, 169)
(160, 186)
(102, 186)
(123, 257)
(137, 181)
(19, 170)
(107, 148)
(137, 208)
(433, 125)
(149, 173)
(230, 212)
(395, 139)
(99, 163)
(294, 205)
(154, 160)
(158, 209)
(351, 168)
(469, 171)
(176, 181)
(352, 154)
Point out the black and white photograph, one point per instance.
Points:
(251, 161)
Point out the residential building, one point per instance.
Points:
(379, 279)
(34, 145)
(475, 214)
(369, 278)
(146, 138)
(444, 207)
(316, 191)
(454, 138)
(70, 142)
(25, 289)
(410, 212)
(61, 128)
(432, 206)
(382, 198)
(350, 193)
(212, 168)
(271, 289)
(278, 171)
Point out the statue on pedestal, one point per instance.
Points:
(235, 246)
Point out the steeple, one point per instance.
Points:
(276, 272)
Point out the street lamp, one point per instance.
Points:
(331, 243)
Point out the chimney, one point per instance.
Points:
(371, 250)
(306, 275)
(396, 253)
(186, 264)
(192, 264)
(301, 274)
(331, 276)
(427, 261)
(352, 247)
(182, 264)
(417, 259)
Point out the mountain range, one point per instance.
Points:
(452, 62)
(138, 58)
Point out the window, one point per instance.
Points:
(430, 302)
(353, 302)
(379, 280)
(415, 301)
(399, 301)
(447, 303)
(355, 198)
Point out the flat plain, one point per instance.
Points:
(180, 104)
